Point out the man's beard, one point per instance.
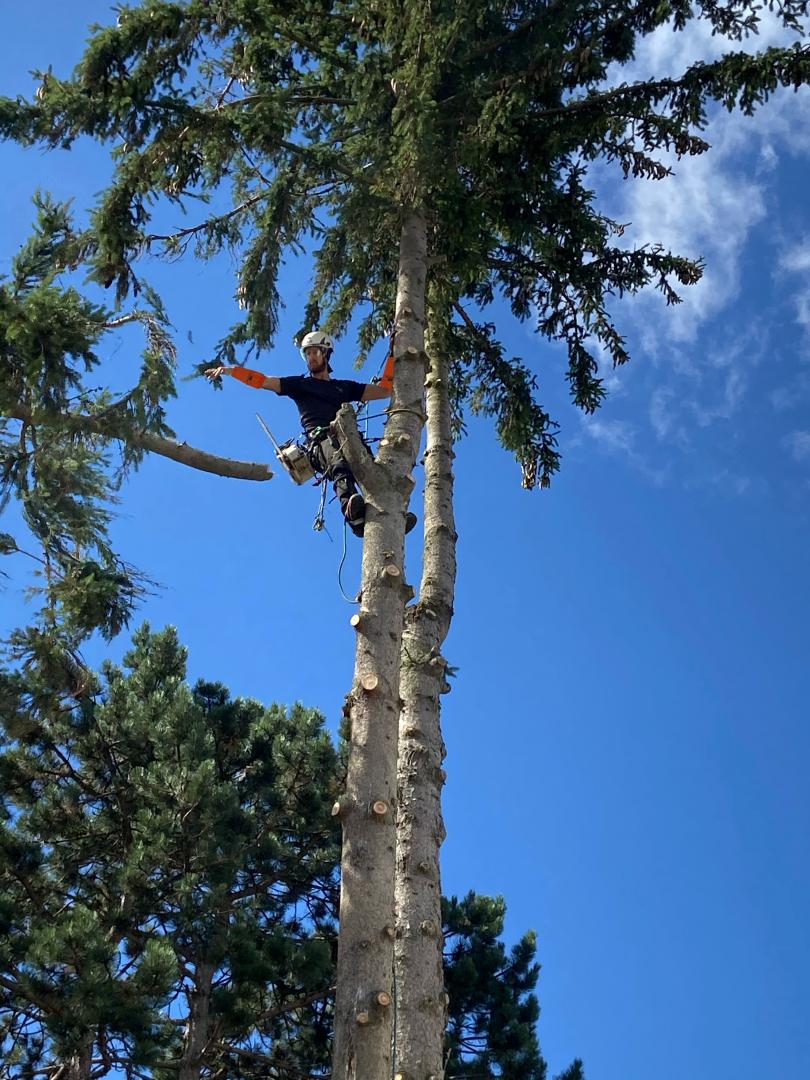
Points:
(321, 366)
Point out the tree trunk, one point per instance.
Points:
(420, 997)
(363, 1004)
(80, 1064)
(199, 1021)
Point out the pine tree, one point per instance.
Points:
(167, 859)
(492, 1010)
(466, 134)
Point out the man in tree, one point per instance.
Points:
(318, 397)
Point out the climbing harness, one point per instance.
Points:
(292, 455)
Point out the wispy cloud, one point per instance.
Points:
(798, 443)
(792, 394)
(702, 364)
(732, 392)
(664, 417)
(615, 435)
(712, 204)
(795, 263)
(732, 483)
(619, 438)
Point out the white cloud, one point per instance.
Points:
(708, 356)
(798, 443)
(707, 210)
(796, 261)
(711, 205)
(666, 50)
(615, 435)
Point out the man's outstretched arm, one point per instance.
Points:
(251, 378)
(382, 389)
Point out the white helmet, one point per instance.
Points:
(318, 338)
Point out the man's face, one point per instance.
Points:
(316, 359)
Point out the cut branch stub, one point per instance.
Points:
(390, 932)
(358, 619)
(340, 806)
(379, 808)
(369, 682)
(362, 1018)
(383, 999)
(390, 572)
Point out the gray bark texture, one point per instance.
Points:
(419, 976)
(364, 996)
(199, 1023)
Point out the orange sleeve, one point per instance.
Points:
(252, 378)
(387, 380)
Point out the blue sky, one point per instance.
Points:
(628, 745)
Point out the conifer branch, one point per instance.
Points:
(154, 444)
(299, 1003)
(295, 99)
(487, 47)
(209, 223)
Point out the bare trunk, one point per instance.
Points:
(199, 1022)
(363, 1004)
(420, 995)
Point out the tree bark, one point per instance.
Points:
(420, 995)
(363, 1009)
(80, 1064)
(199, 1022)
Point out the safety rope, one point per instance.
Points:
(319, 524)
(348, 599)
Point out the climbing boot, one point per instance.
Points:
(355, 512)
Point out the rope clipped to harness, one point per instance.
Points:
(319, 524)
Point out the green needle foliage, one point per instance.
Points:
(56, 458)
(492, 1012)
(168, 866)
(321, 123)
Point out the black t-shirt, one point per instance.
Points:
(318, 400)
